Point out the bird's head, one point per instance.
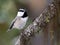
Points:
(22, 13)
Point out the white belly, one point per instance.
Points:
(20, 23)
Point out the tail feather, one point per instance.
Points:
(8, 30)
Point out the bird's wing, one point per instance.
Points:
(12, 23)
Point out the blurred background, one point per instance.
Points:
(8, 11)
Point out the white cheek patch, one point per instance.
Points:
(20, 13)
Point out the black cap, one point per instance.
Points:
(21, 10)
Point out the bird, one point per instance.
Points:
(19, 21)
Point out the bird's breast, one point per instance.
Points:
(20, 23)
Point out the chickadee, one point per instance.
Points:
(20, 20)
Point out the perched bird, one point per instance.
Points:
(20, 20)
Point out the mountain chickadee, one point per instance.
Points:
(20, 20)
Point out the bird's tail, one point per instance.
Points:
(8, 30)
